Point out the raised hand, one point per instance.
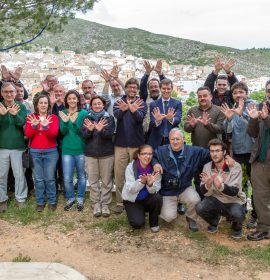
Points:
(73, 117)
(105, 75)
(171, 113)
(45, 86)
(3, 109)
(101, 124)
(5, 73)
(207, 180)
(45, 121)
(228, 65)
(148, 67)
(157, 115)
(88, 124)
(151, 178)
(252, 111)
(205, 119)
(14, 110)
(115, 71)
(240, 108)
(218, 64)
(136, 105)
(16, 75)
(33, 120)
(63, 116)
(227, 111)
(122, 105)
(264, 112)
(158, 67)
(192, 120)
(52, 97)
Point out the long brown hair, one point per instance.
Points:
(35, 103)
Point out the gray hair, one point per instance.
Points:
(176, 129)
(7, 84)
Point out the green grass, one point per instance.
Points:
(261, 254)
(21, 258)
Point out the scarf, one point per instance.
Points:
(96, 116)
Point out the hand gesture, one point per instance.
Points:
(5, 73)
(143, 179)
(16, 75)
(227, 111)
(45, 86)
(105, 75)
(205, 119)
(73, 117)
(136, 105)
(46, 121)
(252, 111)
(151, 178)
(264, 112)
(240, 108)
(88, 124)
(115, 71)
(192, 120)
(158, 168)
(148, 67)
(207, 180)
(171, 113)
(101, 124)
(157, 115)
(122, 105)
(218, 64)
(3, 109)
(14, 110)
(33, 120)
(218, 180)
(158, 67)
(52, 97)
(228, 65)
(63, 116)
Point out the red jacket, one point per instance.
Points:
(41, 138)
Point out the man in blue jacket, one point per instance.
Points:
(165, 114)
(178, 163)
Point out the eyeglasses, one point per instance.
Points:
(215, 151)
(146, 154)
(132, 87)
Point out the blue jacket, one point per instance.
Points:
(175, 179)
(129, 131)
(157, 132)
(241, 142)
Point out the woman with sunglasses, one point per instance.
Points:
(140, 192)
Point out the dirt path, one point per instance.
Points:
(98, 256)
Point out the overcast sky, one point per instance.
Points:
(234, 23)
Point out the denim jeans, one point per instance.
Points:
(68, 164)
(44, 162)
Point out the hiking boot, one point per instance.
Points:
(192, 225)
(105, 211)
(258, 235)
(252, 222)
(118, 209)
(52, 207)
(80, 207)
(155, 229)
(3, 206)
(69, 204)
(237, 234)
(212, 229)
(181, 209)
(97, 210)
(40, 208)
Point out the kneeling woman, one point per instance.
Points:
(42, 129)
(140, 190)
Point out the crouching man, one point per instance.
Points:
(222, 187)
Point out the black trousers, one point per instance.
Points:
(136, 210)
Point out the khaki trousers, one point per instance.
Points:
(100, 175)
(122, 158)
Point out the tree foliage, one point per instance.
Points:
(21, 20)
(258, 96)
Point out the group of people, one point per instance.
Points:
(131, 138)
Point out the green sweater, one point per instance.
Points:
(11, 129)
(73, 143)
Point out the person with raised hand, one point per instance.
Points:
(73, 146)
(42, 129)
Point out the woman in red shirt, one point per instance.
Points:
(42, 129)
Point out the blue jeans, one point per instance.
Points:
(68, 164)
(44, 166)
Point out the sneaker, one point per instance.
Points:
(212, 229)
(155, 229)
(105, 211)
(237, 234)
(97, 210)
(80, 207)
(69, 204)
(3, 206)
(21, 204)
(258, 235)
(192, 224)
(181, 209)
(40, 208)
(52, 207)
(252, 222)
(118, 209)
